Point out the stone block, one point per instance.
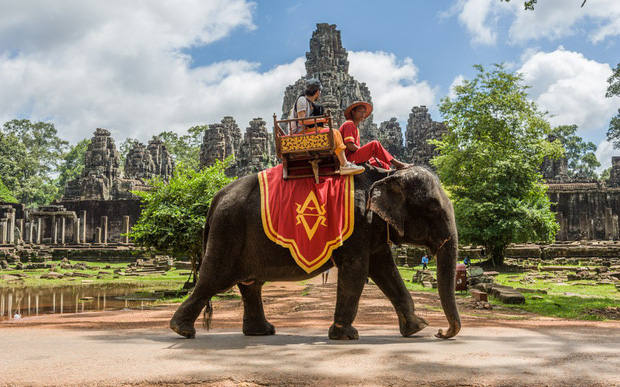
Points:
(479, 295)
(51, 275)
(510, 297)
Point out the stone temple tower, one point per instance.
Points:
(328, 61)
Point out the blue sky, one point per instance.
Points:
(138, 68)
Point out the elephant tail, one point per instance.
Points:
(207, 315)
(446, 278)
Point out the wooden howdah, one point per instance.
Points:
(309, 154)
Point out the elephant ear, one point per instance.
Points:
(387, 199)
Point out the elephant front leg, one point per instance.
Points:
(384, 273)
(351, 280)
(254, 321)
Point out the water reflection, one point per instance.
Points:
(17, 303)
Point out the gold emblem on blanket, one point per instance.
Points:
(311, 209)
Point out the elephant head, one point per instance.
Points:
(417, 211)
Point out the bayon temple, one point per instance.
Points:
(98, 207)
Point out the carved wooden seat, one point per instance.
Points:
(309, 154)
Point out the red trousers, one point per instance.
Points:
(372, 152)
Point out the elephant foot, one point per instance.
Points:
(412, 325)
(452, 331)
(183, 328)
(343, 332)
(260, 328)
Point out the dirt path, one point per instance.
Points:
(137, 348)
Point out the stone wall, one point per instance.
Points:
(105, 220)
(585, 211)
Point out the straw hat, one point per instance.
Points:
(347, 113)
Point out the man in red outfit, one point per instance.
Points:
(372, 152)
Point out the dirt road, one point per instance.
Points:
(137, 348)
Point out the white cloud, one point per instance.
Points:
(570, 87)
(554, 19)
(480, 18)
(604, 153)
(475, 15)
(393, 83)
(119, 65)
(457, 81)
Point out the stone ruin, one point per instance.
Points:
(102, 177)
(327, 60)
(220, 141)
(390, 135)
(146, 162)
(257, 150)
(420, 129)
(98, 207)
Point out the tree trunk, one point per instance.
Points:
(497, 255)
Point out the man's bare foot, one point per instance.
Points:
(400, 165)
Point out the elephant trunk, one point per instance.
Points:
(446, 278)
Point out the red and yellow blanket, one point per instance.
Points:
(309, 219)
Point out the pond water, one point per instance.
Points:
(70, 299)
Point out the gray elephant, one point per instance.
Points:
(237, 251)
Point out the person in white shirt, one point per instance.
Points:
(303, 108)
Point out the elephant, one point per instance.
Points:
(408, 206)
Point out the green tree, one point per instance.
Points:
(606, 174)
(490, 161)
(529, 4)
(579, 154)
(124, 148)
(613, 90)
(14, 161)
(174, 213)
(73, 164)
(5, 194)
(36, 152)
(185, 149)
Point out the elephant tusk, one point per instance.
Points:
(443, 243)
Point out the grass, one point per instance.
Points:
(564, 301)
(408, 272)
(563, 306)
(586, 289)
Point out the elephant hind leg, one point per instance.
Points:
(384, 273)
(208, 286)
(254, 321)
